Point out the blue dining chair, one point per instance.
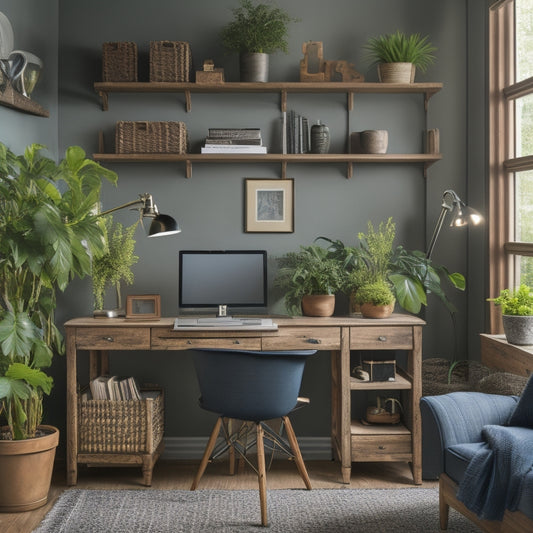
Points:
(246, 389)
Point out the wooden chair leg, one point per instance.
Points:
(207, 453)
(231, 450)
(444, 508)
(261, 475)
(296, 451)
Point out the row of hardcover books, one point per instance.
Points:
(234, 141)
(114, 388)
(295, 133)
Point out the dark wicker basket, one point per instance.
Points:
(121, 426)
(119, 61)
(170, 61)
(143, 137)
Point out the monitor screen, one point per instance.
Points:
(236, 278)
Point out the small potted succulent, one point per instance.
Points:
(517, 314)
(398, 55)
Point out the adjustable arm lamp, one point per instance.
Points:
(462, 215)
(161, 226)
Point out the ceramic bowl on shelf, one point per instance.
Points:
(25, 69)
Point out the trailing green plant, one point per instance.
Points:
(376, 293)
(309, 271)
(114, 265)
(257, 28)
(515, 302)
(48, 233)
(401, 48)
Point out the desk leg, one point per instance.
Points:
(345, 407)
(72, 410)
(415, 369)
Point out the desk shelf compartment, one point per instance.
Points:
(122, 432)
(380, 442)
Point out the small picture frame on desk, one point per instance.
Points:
(143, 307)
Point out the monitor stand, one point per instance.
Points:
(222, 311)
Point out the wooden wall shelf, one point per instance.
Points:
(283, 88)
(9, 97)
(350, 159)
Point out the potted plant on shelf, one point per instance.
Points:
(256, 31)
(310, 279)
(398, 55)
(517, 314)
(48, 231)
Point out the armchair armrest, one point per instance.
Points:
(457, 418)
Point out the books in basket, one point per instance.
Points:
(114, 388)
(234, 141)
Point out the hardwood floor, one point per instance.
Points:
(179, 475)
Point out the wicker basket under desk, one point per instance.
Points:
(121, 432)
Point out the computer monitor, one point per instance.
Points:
(215, 278)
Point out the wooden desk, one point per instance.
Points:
(497, 353)
(351, 442)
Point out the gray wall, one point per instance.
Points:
(209, 206)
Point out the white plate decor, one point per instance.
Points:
(6, 37)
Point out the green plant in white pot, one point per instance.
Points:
(256, 31)
(398, 55)
(517, 314)
(48, 231)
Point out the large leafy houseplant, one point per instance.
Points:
(49, 229)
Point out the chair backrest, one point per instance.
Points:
(249, 385)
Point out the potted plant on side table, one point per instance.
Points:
(517, 314)
(256, 31)
(48, 231)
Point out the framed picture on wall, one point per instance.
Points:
(269, 205)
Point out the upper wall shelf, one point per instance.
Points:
(283, 88)
(12, 98)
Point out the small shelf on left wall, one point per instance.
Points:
(9, 97)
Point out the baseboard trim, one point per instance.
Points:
(192, 448)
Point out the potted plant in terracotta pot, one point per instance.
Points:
(517, 314)
(256, 31)
(48, 229)
(398, 55)
(310, 279)
(375, 299)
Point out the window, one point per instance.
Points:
(511, 146)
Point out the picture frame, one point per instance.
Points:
(143, 306)
(269, 205)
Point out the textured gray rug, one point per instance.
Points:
(232, 511)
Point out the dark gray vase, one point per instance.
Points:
(518, 329)
(319, 139)
(254, 67)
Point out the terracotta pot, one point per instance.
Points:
(26, 467)
(396, 72)
(369, 310)
(318, 305)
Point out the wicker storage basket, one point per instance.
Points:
(150, 137)
(121, 426)
(119, 61)
(170, 61)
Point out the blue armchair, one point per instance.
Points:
(453, 431)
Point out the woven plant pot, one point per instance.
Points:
(318, 304)
(396, 72)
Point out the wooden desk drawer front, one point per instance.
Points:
(381, 448)
(112, 338)
(381, 338)
(303, 339)
(167, 341)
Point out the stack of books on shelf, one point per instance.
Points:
(114, 388)
(234, 141)
(295, 133)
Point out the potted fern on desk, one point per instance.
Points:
(48, 231)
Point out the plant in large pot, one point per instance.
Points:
(256, 31)
(398, 55)
(48, 231)
(517, 314)
(310, 278)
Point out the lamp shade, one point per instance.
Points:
(163, 225)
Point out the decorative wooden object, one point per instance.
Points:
(210, 74)
(9, 97)
(342, 71)
(432, 143)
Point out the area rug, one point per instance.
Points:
(234, 511)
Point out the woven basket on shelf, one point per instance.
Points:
(143, 137)
(119, 61)
(396, 72)
(170, 61)
(120, 426)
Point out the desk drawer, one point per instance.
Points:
(381, 448)
(302, 338)
(169, 341)
(112, 338)
(381, 338)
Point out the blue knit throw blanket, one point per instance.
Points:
(495, 477)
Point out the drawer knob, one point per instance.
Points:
(381, 447)
(382, 338)
(313, 341)
(189, 342)
(236, 342)
(109, 339)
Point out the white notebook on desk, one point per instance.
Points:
(224, 323)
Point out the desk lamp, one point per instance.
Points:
(462, 215)
(161, 226)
